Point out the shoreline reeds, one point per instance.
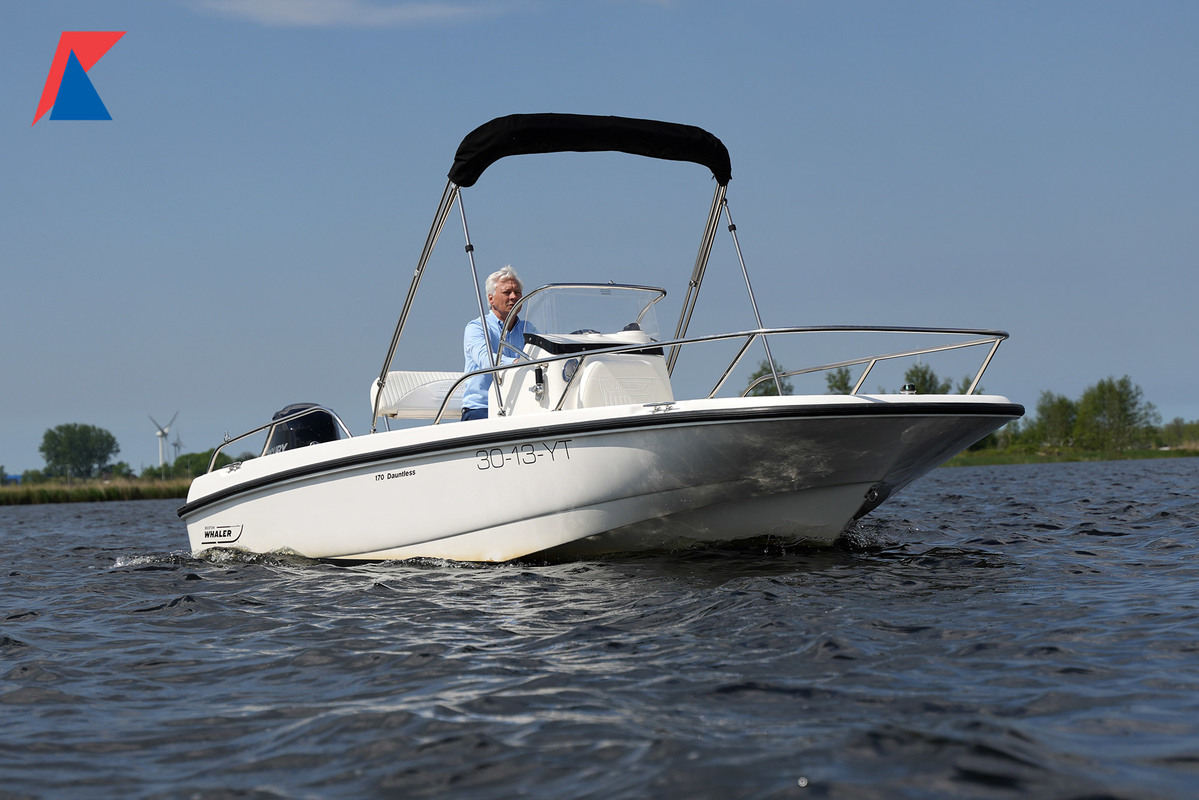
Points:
(993, 457)
(92, 491)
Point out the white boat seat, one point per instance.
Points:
(417, 395)
(623, 379)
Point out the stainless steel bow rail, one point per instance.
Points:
(274, 424)
(990, 339)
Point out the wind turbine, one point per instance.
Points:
(162, 434)
(178, 445)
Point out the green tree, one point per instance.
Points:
(767, 388)
(120, 470)
(1056, 418)
(839, 381)
(77, 451)
(31, 476)
(1113, 415)
(1009, 435)
(1174, 432)
(964, 385)
(1180, 433)
(189, 465)
(925, 380)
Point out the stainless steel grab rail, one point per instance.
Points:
(985, 337)
(302, 413)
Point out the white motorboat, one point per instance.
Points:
(589, 447)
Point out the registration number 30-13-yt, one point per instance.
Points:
(526, 453)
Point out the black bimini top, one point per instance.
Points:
(524, 134)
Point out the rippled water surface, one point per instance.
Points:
(994, 632)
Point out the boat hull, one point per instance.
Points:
(594, 481)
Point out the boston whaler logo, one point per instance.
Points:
(222, 534)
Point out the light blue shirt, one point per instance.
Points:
(478, 355)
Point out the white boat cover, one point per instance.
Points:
(417, 395)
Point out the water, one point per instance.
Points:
(1001, 632)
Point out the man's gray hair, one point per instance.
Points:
(503, 273)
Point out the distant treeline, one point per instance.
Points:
(1112, 417)
(79, 454)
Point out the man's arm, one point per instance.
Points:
(475, 346)
(515, 339)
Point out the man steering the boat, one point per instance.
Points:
(504, 290)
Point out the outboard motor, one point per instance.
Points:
(314, 427)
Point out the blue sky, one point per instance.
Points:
(241, 235)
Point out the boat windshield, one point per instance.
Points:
(566, 309)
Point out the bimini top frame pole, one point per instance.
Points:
(697, 273)
(778, 386)
(443, 211)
